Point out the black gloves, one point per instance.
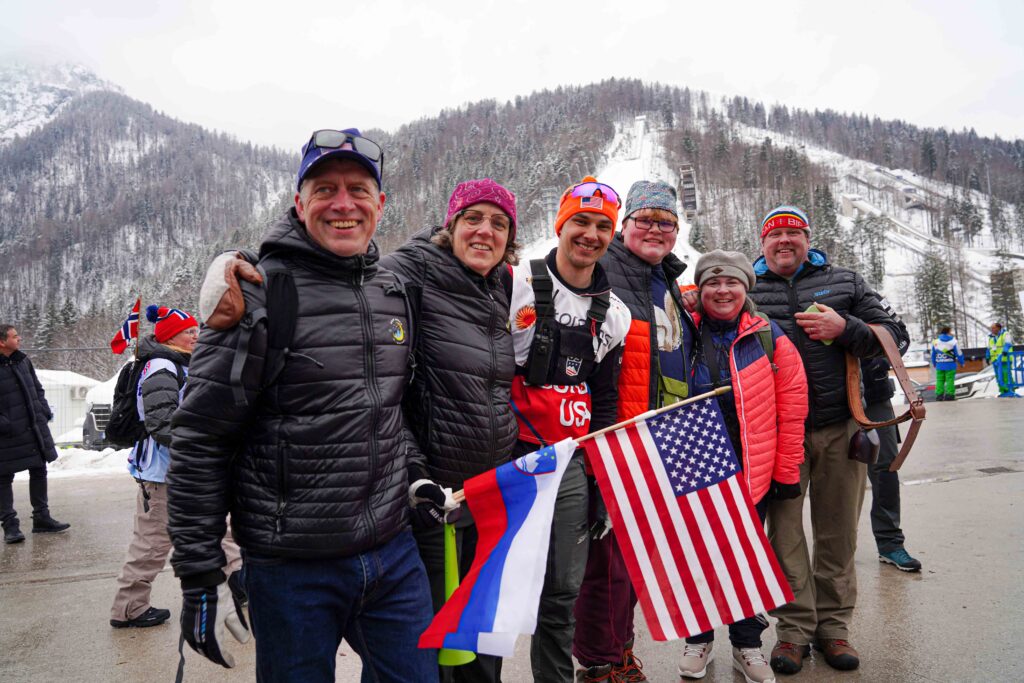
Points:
(602, 525)
(205, 612)
(780, 491)
(431, 505)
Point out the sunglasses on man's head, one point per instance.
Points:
(337, 139)
(591, 189)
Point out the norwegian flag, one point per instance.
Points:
(129, 330)
(692, 542)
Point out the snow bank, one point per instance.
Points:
(73, 462)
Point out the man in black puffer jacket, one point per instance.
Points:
(25, 440)
(791, 277)
(312, 468)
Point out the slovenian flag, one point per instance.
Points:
(512, 507)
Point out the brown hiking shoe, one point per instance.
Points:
(597, 674)
(838, 653)
(788, 658)
(631, 669)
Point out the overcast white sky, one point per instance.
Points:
(273, 75)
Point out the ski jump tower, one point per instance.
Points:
(688, 191)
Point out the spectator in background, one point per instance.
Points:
(166, 354)
(946, 357)
(1000, 354)
(885, 485)
(25, 440)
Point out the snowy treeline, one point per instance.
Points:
(111, 199)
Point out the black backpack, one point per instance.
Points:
(125, 428)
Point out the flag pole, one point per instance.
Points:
(459, 496)
(445, 656)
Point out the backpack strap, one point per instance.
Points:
(279, 315)
(598, 311)
(764, 335)
(542, 348)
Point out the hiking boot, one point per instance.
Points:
(751, 662)
(901, 559)
(151, 617)
(45, 524)
(597, 674)
(788, 658)
(631, 669)
(838, 653)
(695, 660)
(12, 532)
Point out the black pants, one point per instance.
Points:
(885, 485)
(745, 632)
(485, 668)
(36, 495)
(551, 645)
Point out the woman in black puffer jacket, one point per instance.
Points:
(458, 404)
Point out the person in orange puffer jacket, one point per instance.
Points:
(764, 414)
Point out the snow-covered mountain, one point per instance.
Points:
(904, 206)
(103, 199)
(32, 95)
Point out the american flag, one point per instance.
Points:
(129, 330)
(692, 542)
(596, 203)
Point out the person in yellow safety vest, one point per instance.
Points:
(1000, 354)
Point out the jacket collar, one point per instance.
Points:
(672, 265)
(816, 260)
(15, 357)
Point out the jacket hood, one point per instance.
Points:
(289, 239)
(815, 257)
(671, 264)
(149, 347)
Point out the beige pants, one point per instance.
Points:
(825, 588)
(148, 553)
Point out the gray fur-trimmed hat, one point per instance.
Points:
(725, 264)
(650, 194)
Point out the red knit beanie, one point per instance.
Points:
(169, 321)
(600, 201)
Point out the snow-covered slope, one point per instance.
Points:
(864, 189)
(635, 153)
(32, 95)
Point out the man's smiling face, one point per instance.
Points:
(785, 249)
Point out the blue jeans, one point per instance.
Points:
(378, 601)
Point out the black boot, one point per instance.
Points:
(45, 524)
(12, 532)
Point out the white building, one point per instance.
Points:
(65, 392)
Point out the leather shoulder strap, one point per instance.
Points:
(916, 411)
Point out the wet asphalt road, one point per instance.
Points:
(959, 620)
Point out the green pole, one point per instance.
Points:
(446, 657)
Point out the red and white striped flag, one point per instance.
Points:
(695, 549)
(129, 330)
